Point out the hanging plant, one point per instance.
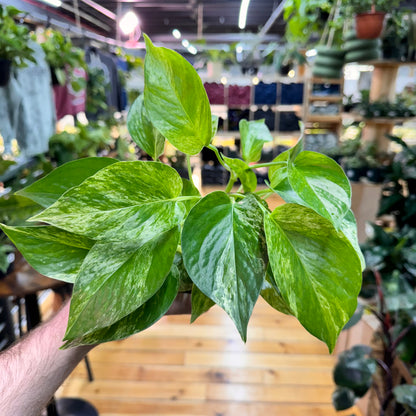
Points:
(130, 235)
(63, 57)
(14, 43)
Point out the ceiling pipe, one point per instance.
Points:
(276, 13)
(100, 9)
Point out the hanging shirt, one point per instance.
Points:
(26, 106)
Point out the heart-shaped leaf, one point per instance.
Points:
(142, 131)
(321, 182)
(316, 269)
(253, 136)
(116, 278)
(139, 320)
(175, 99)
(47, 190)
(125, 201)
(52, 252)
(313, 180)
(223, 251)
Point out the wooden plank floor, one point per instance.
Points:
(204, 369)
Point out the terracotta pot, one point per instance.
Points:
(5, 66)
(369, 25)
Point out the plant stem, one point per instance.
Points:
(188, 162)
(215, 150)
(231, 182)
(266, 165)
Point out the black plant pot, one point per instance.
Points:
(411, 186)
(376, 175)
(354, 174)
(5, 70)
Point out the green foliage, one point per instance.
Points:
(143, 132)
(96, 91)
(133, 234)
(307, 19)
(406, 395)
(14, 38)
(63, 57)
(84, 141)
(363, 6)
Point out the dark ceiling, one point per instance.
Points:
(213, 20)
(216, 21)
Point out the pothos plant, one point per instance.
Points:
(130, 235)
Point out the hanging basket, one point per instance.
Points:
(369, 25)
(5, 66)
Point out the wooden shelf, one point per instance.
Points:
(377, 120)
(328, 98)
(323, 118)
(327, 80)
(283, 108)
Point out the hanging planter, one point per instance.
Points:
(369, 25)
(5, 70)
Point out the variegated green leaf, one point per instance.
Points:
(315, 268)
(52, 252)
(175, 99)
(47, 190)
(247, 177)
(223, 251)
(142, 131)
(125, 201)
(139, 320)
(200, 303)
(116, 278)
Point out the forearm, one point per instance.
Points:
(32, 370)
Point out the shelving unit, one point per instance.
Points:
(275, 108)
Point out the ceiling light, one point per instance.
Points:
(255, 81)
(224, 80)
(129, 23)
(243, 14)
(192, 50)
(176, 34)
(185, 43)
(54, 3)
(291, 73)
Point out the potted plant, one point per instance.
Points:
(14, 43)
(355, 167)
(63, 58)
(369, 16)
(129, 233)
